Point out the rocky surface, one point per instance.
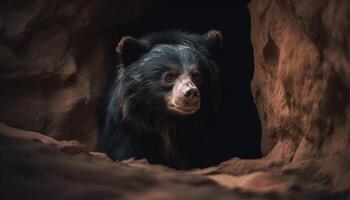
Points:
(36, 166)
(54, 61)
(301, 85)
(301, 90)
(51, 77)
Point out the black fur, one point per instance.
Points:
(136, 119)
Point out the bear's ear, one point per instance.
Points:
(212, 40)
(131, 49)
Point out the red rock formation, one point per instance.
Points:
(301, 84)
(54, 60)
(51, 78)
(38, 167)
(302, 93)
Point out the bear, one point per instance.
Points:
(163, 98)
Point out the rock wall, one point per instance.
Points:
(301, 82)
(301, 90)
(54, 60)
(51, 76)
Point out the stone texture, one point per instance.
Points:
(36, 166)
(300, 85)
(40, 167)
(53, 63)
(301, 90)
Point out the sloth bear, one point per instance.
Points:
(163, 98)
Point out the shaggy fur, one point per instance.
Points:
(137, 122)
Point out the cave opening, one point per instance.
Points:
(236, 131)
(55, 57)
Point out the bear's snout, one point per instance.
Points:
(190, 93)
(185, 98)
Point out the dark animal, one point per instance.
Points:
(163, 98)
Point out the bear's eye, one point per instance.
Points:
(169, 77)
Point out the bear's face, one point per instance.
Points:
(164, 80)
(175, 74)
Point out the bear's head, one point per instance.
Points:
(167, 76)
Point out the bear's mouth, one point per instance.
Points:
(184, 110)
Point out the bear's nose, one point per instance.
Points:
(190, 93)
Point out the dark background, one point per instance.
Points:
(237, 131)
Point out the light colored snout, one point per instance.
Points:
(184, 98)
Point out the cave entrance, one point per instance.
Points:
(237, 128)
